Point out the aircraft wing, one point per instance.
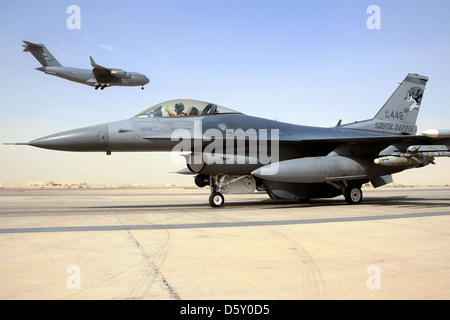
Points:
(369, 139)
(99, 71)
(103, 74)
(388, 150)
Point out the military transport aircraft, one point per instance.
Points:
(98, 77)
(235, 153)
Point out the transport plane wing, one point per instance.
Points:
(231, 152)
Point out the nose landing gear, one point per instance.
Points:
(219, 184)
(216, 199)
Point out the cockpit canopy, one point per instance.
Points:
(184, 108)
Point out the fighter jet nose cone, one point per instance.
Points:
(93, 138)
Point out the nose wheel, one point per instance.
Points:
(216, 199)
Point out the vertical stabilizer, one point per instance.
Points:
(41, 53)
(399, 114)
(404, 104)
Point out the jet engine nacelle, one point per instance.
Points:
(120, 73)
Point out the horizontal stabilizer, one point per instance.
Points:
(29, 45)
(381, 181)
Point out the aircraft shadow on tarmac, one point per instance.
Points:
(404, 201)
(395, 201)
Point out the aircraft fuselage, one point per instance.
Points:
(86, 76)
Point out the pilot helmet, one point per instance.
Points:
(179, 107)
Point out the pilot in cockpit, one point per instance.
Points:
(179, 108)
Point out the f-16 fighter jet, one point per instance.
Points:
(235, 153)
(98, 76)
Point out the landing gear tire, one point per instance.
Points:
(353, 195)
(216, 199)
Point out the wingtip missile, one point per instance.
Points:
(437, 133)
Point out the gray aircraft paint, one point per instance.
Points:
(399, 114)
(311, 161)
(98, 76)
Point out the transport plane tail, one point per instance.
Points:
(41, 53)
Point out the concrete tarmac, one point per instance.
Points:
(169, 244)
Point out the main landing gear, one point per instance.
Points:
(101, 86)
(238, 184)
(352, 191)
(353, 195)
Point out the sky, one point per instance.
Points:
(303, 62)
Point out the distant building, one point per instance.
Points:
(36, 183)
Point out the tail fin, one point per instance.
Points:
(399, 114)
(404, 104)
(41, 53)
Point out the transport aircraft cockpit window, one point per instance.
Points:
(184, 108)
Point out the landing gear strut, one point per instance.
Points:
(223, 183)
(216, 199)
